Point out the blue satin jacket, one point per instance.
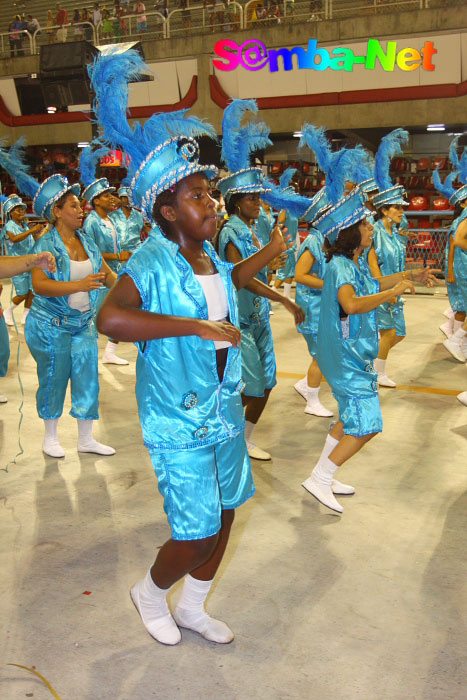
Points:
(57, 307)
(307, 297)
(181, 403)
(264, 225)
(128, 230)
(252, 309)
(347, 346)
(460, 256)
(102, 237)
(24, 247)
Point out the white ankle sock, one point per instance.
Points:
(329, 445)
(324, 471)
(455, 325)
(51, 445)
(151, 602)
(459, 334)
(313, 394)
(380, 366)
(86, 442)
(249, 430)
(111, 347)
(287, 289)
(190, 612)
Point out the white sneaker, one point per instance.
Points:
(3, 398)
(110, 358)
(301, 387)
(52, 448)
(462, 397)
(455, 349)
(446, 328)
(342, 489)
(384, 380)
(256, 452)
(8, 316)
(317, 409)
(323, 494)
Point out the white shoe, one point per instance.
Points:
(446, 328)
(8, 316)
(163, 629)
(455, 349)
(52, 448)
(95, 447)
(301, 387)
(383, 380)
(462, 397)
(342, 489)
(323, 494)
(256, 452)
(3, 398)
(110, 358)
(207, 626)
(317, 409)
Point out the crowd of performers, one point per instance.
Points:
(197, 301)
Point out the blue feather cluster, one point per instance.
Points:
(315, 139)
(446, 188)
(286, 177)
(238, 142)
(463, 167)
(13, 161)
(453, 157)
(279, 199)
(390, 146)
(110, 74)
(89, 160)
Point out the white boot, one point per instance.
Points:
(314, 407)
(254, 451)
(190, 612)
(447, 327)
(8, 315)
(338, 488)
(150, 601)
(110, 358)
(454, 344)
(86, 442)
(462, 397)
(24, 316)
(301, 387)
(383, 379)
(51, 445)
(319, 484)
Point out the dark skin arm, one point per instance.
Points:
(21, 236)
(246, 268)
(122, 318)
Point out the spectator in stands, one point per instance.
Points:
(86, 19)
(33, 25)
(107, 25)
(16, 41)
(61, 20)
(274, 13)
(78, 29)
(186, 14)
(139, 9)
(96, 14)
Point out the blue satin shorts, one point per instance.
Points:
(312, 342)
(455, 297)
(462, 287)
(4, 347)
(258, 359)
(360, 415)
(22, 283)
(391, 316)
(198, 484)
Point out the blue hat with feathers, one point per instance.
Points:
(43, 196)
(238, 142)
(10, 203)
(318, 204)
(283, 196)
(163, 151)
(349, 210)
(88, 162)
(390, 146)
(460, 167)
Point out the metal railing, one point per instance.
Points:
(63, 33)
(23, 45)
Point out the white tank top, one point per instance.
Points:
(216, 299)
(79, 269)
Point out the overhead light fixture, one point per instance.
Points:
(51, 110)
(436, 127)
(83, 144)
(297, 134)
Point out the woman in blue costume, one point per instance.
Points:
(387, 255)
(128, 221)
(242, 190)
(264, 224)
(100, 226)
(286, 273)
(348, 339)
(19, 240)
(176, 299)
(60, 330)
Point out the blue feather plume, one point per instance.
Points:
(453, 157)
(390, 146)
(3, 198)
(346, 166)
(286, 177)
(110, 74)
(279, 199)
(89, 159)
(315, 139)
(13, 161)
(463, 167)
(238, 142)
(445, 188)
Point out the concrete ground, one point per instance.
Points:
(370, 604)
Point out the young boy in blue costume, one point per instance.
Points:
(242, 191)
(286, 273)
(128, 222)
(348, 339)
(19, 240)
(176, 299)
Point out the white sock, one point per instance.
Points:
(249, 430)
(152, 606)
(329, 445)
(313, 393)
(86, 442)
(287, 289)
(12, 306)
(111, 347)
(459, 335)
(380, 366)
(190, 612)
(51, 445)
(455, 325)
(51, 429)
(324, 471)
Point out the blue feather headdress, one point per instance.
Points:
(459, 171)
(283, 196)
(390, 146)
(445, 188)
(238, 143)
(163, 151)
(88, 162)
(43, 196)
(286, 178)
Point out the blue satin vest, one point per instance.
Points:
(348, 346)
(252, 309)
(181, 403)
(389, 250)
(128, 230)
(102, 237)
(460, 256)
(263, 226)
(307, 297)
(24, 247)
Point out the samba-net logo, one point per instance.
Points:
(253, 55)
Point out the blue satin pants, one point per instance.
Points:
(360, 415)
(64, 353)
(22, 283)
(4, 347)
(390, 316)
(258, 358)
